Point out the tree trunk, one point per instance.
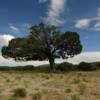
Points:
(52, 64)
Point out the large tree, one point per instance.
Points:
(44, 42)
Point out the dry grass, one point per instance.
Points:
(46, 86)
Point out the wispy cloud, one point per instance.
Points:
(82, 23)
(55, 9)
(86, 22)
(13, 28)
(19, 29)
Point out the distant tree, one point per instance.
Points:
(44, 42)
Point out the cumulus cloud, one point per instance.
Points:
(4, 39)
(85, 56)
(82, 23)
(86, 22)
(11, 62)
(55, 9)
(13, 28)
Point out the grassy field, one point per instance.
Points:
(32, 85)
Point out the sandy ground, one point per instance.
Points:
(46, 86)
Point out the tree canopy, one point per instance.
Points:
(44, 42)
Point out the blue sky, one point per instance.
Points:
(82, 16)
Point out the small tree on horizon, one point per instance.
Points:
(44, 42)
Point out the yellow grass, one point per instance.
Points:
(46, 86)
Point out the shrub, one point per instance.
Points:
(76, 80)
(65, 67)
(86, 66)
(8, 80)
(28, 67)
(36, 95)
(68, 90)
(75, 97)
(20, 92)
(82, 88)
(45, 76)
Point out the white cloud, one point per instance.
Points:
(85, 56)
(11, 62)
(97, 26)
(55, 9)
(82, 23)
(4, 39)
(14, 28)
(86, 22)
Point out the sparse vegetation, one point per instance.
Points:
(86, 66)
(36, 95)
(75, 97)
(40, 85)
(68, 90)
(82, 88)
(19, 92)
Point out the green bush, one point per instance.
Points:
(28, 67)
(68, 90)
(65, 67)
(19, 92)
(86, 66)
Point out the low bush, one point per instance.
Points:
(66, 67)
(86, 66)
(19, 92)
(36, 95)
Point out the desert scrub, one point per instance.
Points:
(14, 98)
(82, 88)
(68, 90)
(36, 95)
(85, 79)
(75, 97)
(76, 80)
(19, 92)
(45, 76)
(7, 80)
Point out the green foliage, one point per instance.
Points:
(66, 67)
(20, 92)
(44, 42)
(86, 66)
(17, 68)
